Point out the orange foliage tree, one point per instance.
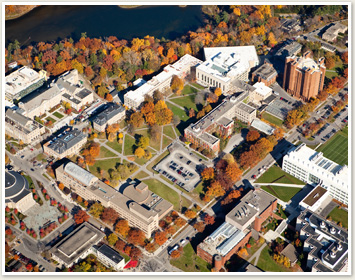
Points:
(122, 227)
(81, 217)
(160, 238)
(207, 174)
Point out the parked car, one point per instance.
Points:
(253, 177)
(173, 249)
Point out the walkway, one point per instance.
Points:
(281, 185)
(256, 255)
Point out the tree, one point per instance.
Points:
(136, 253)
(207, 174)
(7, 159)
(81, 217)
(175, 254)
(231, 197)
(252, 136)
(271, 39)
(111, 137)
(215, 190)
(190, 214)
(180, 222)
(164, 116)
(329, 63)
(120, 244)
(143, 142)
(136, 119)
(344, 57)
(109, 215)
(218, 91)
(102, 90)
(200, 226)
(209, 220)
(96, 210)
(177, 85)
(148, 108)
(122, 227)
(155, 132)
(112, 239)
(136, 237)
(191, 113)
(109, 97)
(233, 171)
(160, 238)
(139, 152)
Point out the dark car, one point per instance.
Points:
(32, 169)
(253, 177)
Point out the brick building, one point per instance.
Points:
(266, 74)
(304, 77)
(252, 210)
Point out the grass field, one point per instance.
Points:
(267, 263)
(276, 175)
(339, 215)
(336, 148)
(58, 115)
(188, 90)
(169, 131)
(272, 119)
(168, 194)
(115, 145)
(51, 119)
(197, 85)
(129, 142)
(153, 144)
(141, 175)
(105, 164)
(190, 262)
(178, 112)
(159, 158)
(186, 102)
(106, 153)
(283, 193)
(166, 141)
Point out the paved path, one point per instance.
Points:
(281, 185)
(256, 255)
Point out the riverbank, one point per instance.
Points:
(24, 9)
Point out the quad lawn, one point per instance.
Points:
(115, 145)
(159, 158)
(339, 216)
(336, 148)
(58, 115)
(197, 85)
(188, 90)
(272, 119)
(283, 193)
(177, 111)
(186, 102)
(166, 141)
(267, 263)
(190, 262)
(129, 142)
(153, 144)
(177, 132)
(166, 193)
(141, 175)
(105, 165)
(276, 175)
(169, 131)
(104, 153)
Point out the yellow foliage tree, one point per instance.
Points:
(139, 152)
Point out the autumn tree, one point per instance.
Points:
(111, 137)
(344, 57)
(191, 113)
(209, 220)
(96, 210)
(139, 152)
(112, 239)
(215, 190)
(120, 244)
(61, 186)
(175, 254)
(200, 226)
(248, 159)
(207, 174)
(109, 215)
(136, 119)
(109, 97)
(190, 214)
(330, 63)
(231, 197)
(81, 217)
(180, 222)
(218, 91)
(135, 253)
(136, 237)
(233, 171)
(177, 85)
(160, 238)
(143, 142)
(252, 136)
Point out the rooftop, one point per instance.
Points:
(80, 174)
(265, 71)
(246, 108)
(110, 253)
(66, 140)
(262, 126)
(21, 122)
(112, 110)
(290, 252)
(262, 89)
(314, 196)
(16, 187)
(289, 48)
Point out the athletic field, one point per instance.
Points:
(336, 148)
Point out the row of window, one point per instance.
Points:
(210, 81)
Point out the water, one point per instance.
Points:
(55, 22)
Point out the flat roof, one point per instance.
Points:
(262, 89)
(246, 108)
(110, 253)
(265, 71)
(263, 126)
(314, 196)
(66, 140)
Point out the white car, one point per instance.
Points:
(276, 93)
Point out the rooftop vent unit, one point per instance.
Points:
(339, 247)
(332, 230)
(332, 255)
(322, 224)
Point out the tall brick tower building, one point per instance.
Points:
(304, 77)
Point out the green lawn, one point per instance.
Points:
(129, 142)
(51, 119)
(41, 157)
(30, 182)
(272, 119)
(190, 262)
(115, 145)
(104, 152)
(188, 90)
(276, 175)
(166, 141)
(200, 156)
(186, 102)
(169, 131)
(339, 215)
(141, 175)
(140, 161)
(178, 112)
(283, 193)
(177, 132)
(105, 164)
(159, 158)
(331, 74)
(58, 115)
(336, 148)
(197, 85)
(165, 192)
(153, 144)
(267, 263)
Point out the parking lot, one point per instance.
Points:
(181, 167)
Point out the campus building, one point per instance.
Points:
(288, 48)
(326, 243)
(266, 74)
(114, 113)
(22, 128)
(304, 77)
(22, 82)
(313, 168)
(224, 65)
(220, 120)
(77, 245)
(314, 199)
(65, 144)
(261, 92)
(332, 32)
(110, 257)
(137, 204)
(17, 192)
(161, 82)
(252, 210)
(67, 88)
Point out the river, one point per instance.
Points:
(55, 22)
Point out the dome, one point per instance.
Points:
(16, 187)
